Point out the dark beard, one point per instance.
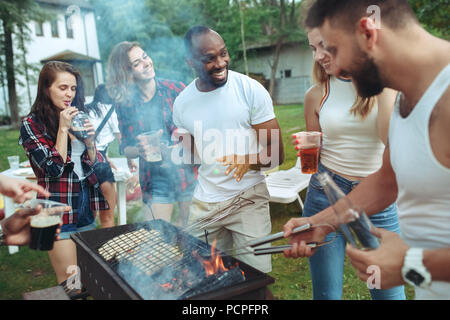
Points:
(366, 76)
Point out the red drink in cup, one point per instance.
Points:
(309, 144)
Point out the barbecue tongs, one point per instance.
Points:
(280, 235)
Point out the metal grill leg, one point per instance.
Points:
(300, 201)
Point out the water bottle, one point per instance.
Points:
(353, 221)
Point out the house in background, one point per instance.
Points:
(293, 77)
(70, 37)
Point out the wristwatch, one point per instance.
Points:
(413, 270)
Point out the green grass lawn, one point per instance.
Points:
(30, 270)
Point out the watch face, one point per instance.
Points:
(414, 277)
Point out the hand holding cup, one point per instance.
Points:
(149, 145)
(18, 228)
(308, 143)
(81, 127)
(66, 116)
(45, 223)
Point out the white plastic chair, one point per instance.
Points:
(284, 185)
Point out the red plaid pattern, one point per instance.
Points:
(131, 125)
(53, 174)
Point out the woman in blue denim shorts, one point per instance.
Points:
(354, 134)
(144, 103)
(62, 163)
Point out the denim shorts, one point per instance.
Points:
(327, 263)
(66, 235)
(166, 186)
(86, 219)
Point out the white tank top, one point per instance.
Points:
(423, 182)
(350, 146)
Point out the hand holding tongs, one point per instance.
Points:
(280, 235)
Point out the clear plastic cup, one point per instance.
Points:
(166, 153)
(13, 162)
(309, 143)
(77, 127)
(152, 145)
(43, 225)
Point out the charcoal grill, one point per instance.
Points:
(156, 260)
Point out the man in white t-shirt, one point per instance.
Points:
(233, 127)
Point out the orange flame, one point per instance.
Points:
(215, 264)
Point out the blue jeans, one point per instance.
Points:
(166, 185)
(327, 264)
(86, 219)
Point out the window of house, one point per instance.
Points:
(69, 27)
(39, 29)
(287, 73)
(54, 27)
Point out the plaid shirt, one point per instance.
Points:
(131, 124)
(54, 175)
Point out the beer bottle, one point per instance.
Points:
(353, 221)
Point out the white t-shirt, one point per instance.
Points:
(221, 123)
(106, 136)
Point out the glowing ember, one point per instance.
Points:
(167, 286)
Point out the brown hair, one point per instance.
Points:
(43, 106)
(319, 76)
(120, 83)
(362, 106)
(346, 13)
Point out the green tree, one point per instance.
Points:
(158, 25)
(274, 23)
(15, 16)
(434, 15)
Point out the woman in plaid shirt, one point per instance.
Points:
(145, 103)
(62, 164)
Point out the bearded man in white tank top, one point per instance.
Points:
(397, 53)
(354, 134)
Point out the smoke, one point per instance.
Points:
(177, 273)
(159, 26)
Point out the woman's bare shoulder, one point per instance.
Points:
(313, 96)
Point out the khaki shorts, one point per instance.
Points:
(240, 226)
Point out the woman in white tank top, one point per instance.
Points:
(354, 133)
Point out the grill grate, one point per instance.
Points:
(144, 249)
(119, 263)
